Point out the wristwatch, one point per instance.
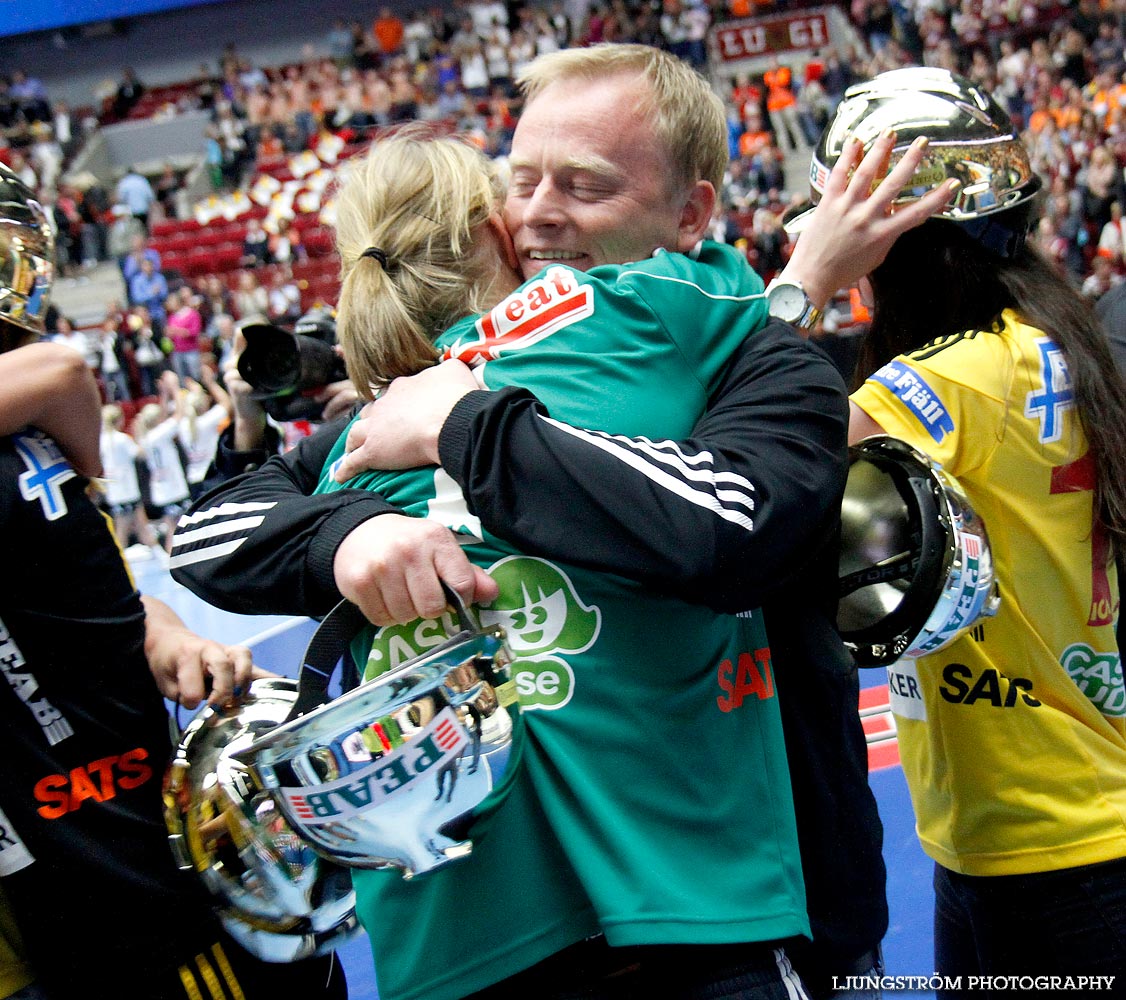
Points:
(787, 301)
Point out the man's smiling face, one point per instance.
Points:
(589, 184)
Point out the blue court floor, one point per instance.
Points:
(278, 643)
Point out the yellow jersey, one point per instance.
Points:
(1014, 736)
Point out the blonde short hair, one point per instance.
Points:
(417, 198)
(112, 416)
(688, 116)
(148, 417)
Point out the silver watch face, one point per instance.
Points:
(787, 302)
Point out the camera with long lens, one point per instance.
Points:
(287, 369)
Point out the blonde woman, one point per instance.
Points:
(156, 434)
(120, 453)
(207, 411)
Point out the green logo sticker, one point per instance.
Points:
(539, 609)
(540, 612)
(1098, 676)
(545, 682)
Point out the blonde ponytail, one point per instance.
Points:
(416, 201)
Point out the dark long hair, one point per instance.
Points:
(938, 281)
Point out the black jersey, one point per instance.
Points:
(84, 738)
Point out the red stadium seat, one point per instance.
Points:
(227, 256)
(318, 242)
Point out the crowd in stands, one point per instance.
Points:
(155, 463)
(1060, 72)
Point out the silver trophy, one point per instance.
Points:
(391, 773)
(916, 570)
(273, 893)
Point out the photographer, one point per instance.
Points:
(252, 436)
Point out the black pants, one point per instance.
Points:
(1062, 923)
(592, 970)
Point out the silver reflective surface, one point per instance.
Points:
(27, 255)
(971, 138)
(275, 895)
(916, 569)
(877, 540)
(390, 775)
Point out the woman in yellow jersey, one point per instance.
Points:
(1013, 737)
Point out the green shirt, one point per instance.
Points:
(652, 799)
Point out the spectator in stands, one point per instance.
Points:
(29, 96)
(216, 299)
(284, 297)
(756, 136)
(135, 192)
(149, 288)
(497, 61)
(338, 41)
(453, 102)
(1101, 279)
(251, 298)
(18, 162)
(221, 333)
(723, 228)
(768, 168)
(474, 72)
(1102, 186)
(155, 430)
(250, 75)
(45, 154)
(213, 157)
(1107, 48)
(388, 31)
(129, 92)
(65, 128)
(206, 88)
(206, 411)
(184, 330)
(418, 37)
(769, 241)
(230, 131)
(255, 244)
(403, 95)
(94, 209)
(147, 353)
(8, 113)
(74, 339)
(1112, 238)
(1050, 243)
(521, 51)
(119, 454)
(781, 105)
(139, 250)
(269, 144)
(285, 246)
(112, 364)
(837, 77)
(365, 54)
(167, 186)
(697, 19)
(62, 209)
(814, 109)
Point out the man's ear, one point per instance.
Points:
(695, 215)
(504, 241)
